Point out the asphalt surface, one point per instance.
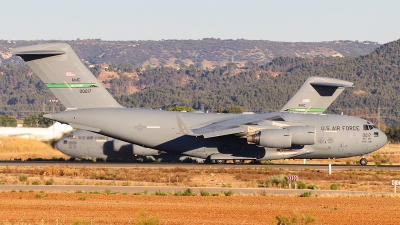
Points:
(80, 164)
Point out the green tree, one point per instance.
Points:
(37, 121)
(231, 109)
(31, 121)
(44, 122)
(180, 108)
(96, 70)
(8, 121)
(128, 68)
(393, 134)
(235, 109)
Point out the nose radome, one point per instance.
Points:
(383, 139)
(59, 145)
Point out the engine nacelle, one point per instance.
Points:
(125, 147)
(303, 135)
(284, 138)
(121, 146)
(139, 150)
(274, 138)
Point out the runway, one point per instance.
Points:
(79, 164)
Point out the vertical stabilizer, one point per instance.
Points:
(316, 95)
(63, 72)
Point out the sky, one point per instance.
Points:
(279, 20)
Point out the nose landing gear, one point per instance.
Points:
(363, 161)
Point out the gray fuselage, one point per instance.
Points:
(336, 136)
(86, 144)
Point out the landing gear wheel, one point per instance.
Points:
(237, 161)
(363, 161)
(220, 161)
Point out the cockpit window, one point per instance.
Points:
(369, 127)
(72, 136)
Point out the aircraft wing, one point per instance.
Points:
(223, 127)
(314, 96)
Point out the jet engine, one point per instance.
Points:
(125, 147)
(284, 138)
(304, 135)
(121, 146)
(139, 150)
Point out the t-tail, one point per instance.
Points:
(68, 78)
(316, 95)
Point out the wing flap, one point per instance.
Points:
(223, 132)
(183, 127)
(232, 125)
(94, 129)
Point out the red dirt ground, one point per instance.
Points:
(83, 208)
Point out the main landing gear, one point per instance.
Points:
(363, 161)
(223, 161)
(220, 161)
(238, 161)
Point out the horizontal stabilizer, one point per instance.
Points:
(37, 54)
(330, 84)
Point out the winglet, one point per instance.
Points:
(183, 127)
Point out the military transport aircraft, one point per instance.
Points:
(299, 131)
(83, 143)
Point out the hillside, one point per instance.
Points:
(205, 53)
(263, 87)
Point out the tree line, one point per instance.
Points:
(255, 87)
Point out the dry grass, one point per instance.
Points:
(389, 151)
(21, 148)
(358, 180)
(373, 180)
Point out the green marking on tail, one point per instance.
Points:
(74, 85)
(308, 110)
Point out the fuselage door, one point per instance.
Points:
(341, 145)
(365, 148)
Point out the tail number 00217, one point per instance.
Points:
(85, 91)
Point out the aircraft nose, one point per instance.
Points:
(382, 139)
(60, 145)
